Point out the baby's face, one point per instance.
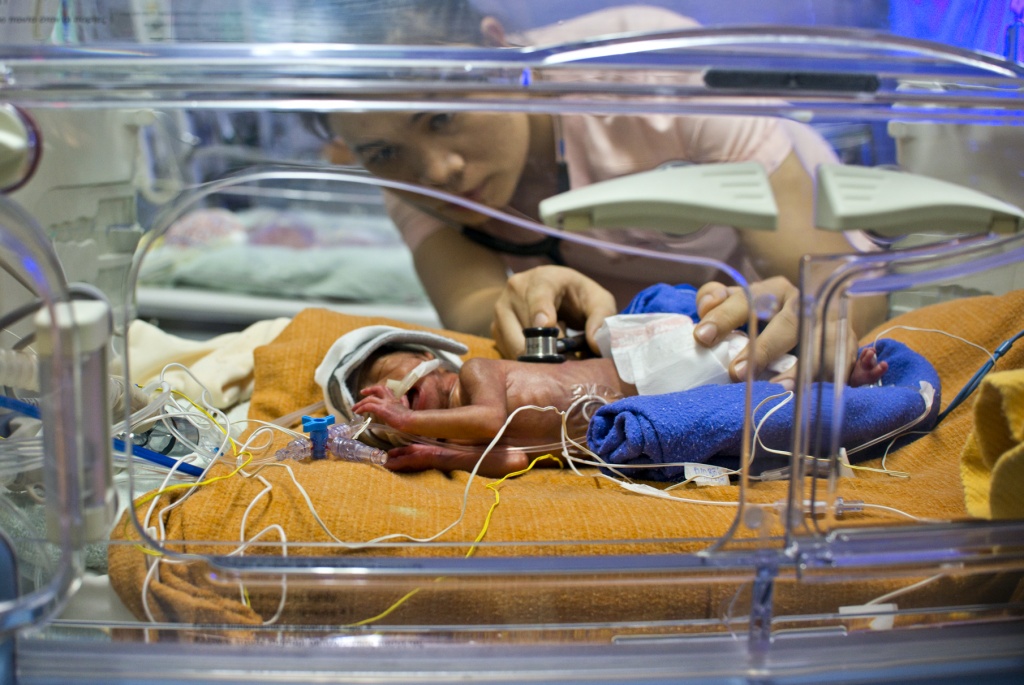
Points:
(433, 391)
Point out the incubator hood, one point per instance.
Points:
(198, 200)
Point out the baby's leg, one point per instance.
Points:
(416, 457)
(867, 369)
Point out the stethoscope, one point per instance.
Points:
(544, 346)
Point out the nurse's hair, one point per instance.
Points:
(401, 22)
(409, 22)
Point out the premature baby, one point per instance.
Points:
(470, 406)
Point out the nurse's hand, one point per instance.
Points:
(723, 309)
(548, 296)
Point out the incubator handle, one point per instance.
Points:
(19, 148)
(790, 45)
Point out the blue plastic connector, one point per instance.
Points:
(317, 430)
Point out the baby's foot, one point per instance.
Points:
(868, 368)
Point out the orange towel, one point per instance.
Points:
(544, 512)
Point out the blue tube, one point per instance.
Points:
(29, 410)
(159, 459)
(32, 411)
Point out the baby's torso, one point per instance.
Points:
(553, 385)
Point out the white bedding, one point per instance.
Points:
(219, 266)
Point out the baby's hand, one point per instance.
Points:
(382, 404)
(868, 368)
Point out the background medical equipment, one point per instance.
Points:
(228, 560)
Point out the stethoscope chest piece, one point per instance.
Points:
(542, 345)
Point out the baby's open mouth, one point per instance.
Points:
(412, 396)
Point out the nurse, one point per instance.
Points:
(513, 160)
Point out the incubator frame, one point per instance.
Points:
(580, 78)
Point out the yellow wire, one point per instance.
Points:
(207, 414)
(179, 486)
(208, 481)
(497, 498)
(391, 608)
(493, 487)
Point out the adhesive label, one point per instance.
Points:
(706, 474)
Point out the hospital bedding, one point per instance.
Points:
(555, 512)
(241, 266)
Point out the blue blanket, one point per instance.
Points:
(665, 299)
(705, 424)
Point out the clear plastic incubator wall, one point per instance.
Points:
(205, 205)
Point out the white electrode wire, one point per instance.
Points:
(663, 493)
(188, 492)
(404, 536)
(885, 456)
(161, 532)
(896, 432)
(898, 512)
(755, 440)
(195, 485)
(302, 492)
(243, 449)
(272, 426)
(248, 542)
(155, 404)
(284, 576)
(904, 590)
(220, 419)
(601, 463)
(154, 562)
(788, 395)
(566, 440)
(378, 429)
(988, 354)
(638, 488)
(153, 572)
(161, 517)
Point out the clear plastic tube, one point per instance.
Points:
(289, 420)
(340, 446)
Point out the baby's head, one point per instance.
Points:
(405, 372)
(349, 365)
(388, 362)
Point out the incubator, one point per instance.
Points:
(200, 199)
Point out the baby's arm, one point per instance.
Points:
(480, 418)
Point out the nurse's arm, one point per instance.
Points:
(778, 253)
(462, 279)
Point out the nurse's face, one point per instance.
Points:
(477, 155)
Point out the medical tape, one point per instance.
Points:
(399, 388)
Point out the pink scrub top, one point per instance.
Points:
(598, 147)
